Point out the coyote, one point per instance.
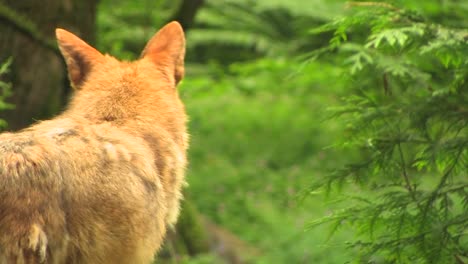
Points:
(101, 182)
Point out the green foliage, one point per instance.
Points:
(257, 138)
(5, 90)
(407, 118)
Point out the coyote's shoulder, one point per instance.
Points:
(101, 182)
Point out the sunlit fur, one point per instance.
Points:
(101, 182)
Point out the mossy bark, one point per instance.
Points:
(196, 235)
(38, 76)
(188, 238)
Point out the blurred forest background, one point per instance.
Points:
(321, 131)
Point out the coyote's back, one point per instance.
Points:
(101, 182)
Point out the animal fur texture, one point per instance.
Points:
(101, 182)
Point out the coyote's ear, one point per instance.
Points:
(167, 48)
(79, 56)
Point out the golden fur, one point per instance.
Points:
(101, 182)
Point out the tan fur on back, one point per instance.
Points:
(101, 182)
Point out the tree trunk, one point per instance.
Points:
(187, 11)
(196, 234)
(37, 74)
